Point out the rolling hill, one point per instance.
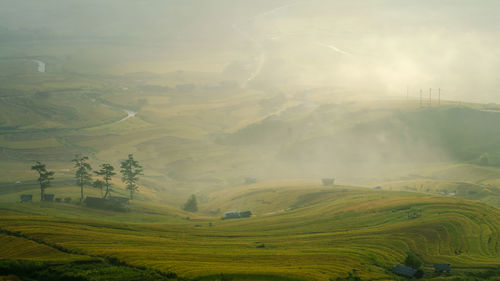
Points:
(300, 231)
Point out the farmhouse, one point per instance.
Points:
(328, 181)
(407, 271)
(106, 204)
(442, 267)
(26, 197)
(231, 215)
(48, 197)
(95, 202)
(123, 200)
(250, 180)
(245, 214)
(237, 215)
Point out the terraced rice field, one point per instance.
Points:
(324, 232)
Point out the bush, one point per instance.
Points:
(420, 273)
(87, 270)
(9, 278)
(484, 159)
(351, 276)
(413, 261)
(191, 204)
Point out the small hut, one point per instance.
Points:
(328, 181)
(442, 267)
(407, 272)
(250, 180)
(123, 200)
(48, 197)
(245, 214)
(413, 214)
(26, 198)
(231, 215)
(94, 201)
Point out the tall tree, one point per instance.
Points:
(82, 173)
(44, 177)
(107, 173)
(191, 204)
(131, 170)
(99, 184)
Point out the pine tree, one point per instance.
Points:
(191, 204)
(99, 184)
(44, 177)
(82, 173)
(107, 173)
(131, 170)
(413, 261)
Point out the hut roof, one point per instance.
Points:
(442, 267)
(404, 271)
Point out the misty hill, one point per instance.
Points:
(339, 138)
(275, 140)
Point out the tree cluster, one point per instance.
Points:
(130, 171)
(191, 204)
(413, 261)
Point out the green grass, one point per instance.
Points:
(245, 277)
(17, 248)
(318, 237)
(84, 270)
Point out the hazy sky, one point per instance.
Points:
(373, 47)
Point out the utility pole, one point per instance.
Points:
(407, 92)
(420, 97)
(439, 96)
(430, 96)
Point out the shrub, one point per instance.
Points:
(191, 204)
(484, 159)
(85, 270)
(413, 261)
(351, 276)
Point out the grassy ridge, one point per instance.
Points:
(84, 270)
(24, 249)
(322, 236)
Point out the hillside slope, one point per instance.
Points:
(324, 232)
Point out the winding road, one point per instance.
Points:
(262, 57)
(41, 66)
(130, 114)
